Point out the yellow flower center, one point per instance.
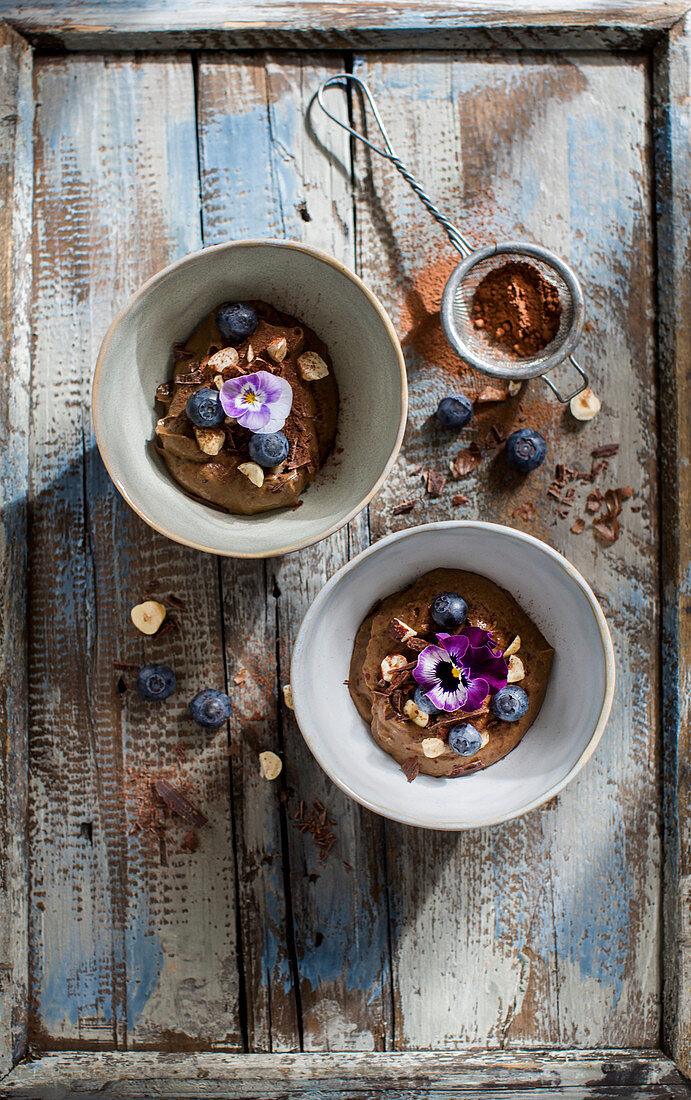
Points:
(456, 672)
(250, 398)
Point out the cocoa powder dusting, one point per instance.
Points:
(517, 308)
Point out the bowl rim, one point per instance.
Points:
(159, 276)
(510, 532)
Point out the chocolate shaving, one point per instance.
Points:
(398, 700)
(417, 643)
(460, 498)
(578, 526)
(490, 393)
(179, 803)
(411, 768)
(317, 824)
(190, 379)
(125, 666)
(605, 450)
(612, 503)
(465, 769)
(594, 501)
(435, 482)
(625, 492)
(608, 528)
(466, 461)
(190, 841)
(406, 506)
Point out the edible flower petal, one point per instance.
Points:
(260, 402)
(462, 670)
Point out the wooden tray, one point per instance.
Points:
(548, 954)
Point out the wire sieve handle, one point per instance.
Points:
(341, 80)
(575, 393)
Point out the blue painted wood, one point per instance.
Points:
(120, 957)
(326, 978)
(547, 928)
(16, 183)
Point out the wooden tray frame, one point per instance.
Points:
(663, 28)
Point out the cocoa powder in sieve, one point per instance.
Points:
(517, 307)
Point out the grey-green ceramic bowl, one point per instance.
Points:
(368, 363)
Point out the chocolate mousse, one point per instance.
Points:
(449, 673)
(251, 411)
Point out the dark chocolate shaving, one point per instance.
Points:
(434, 482)
(179, 803)
(605, 450)
(411, 768)
(406, 506)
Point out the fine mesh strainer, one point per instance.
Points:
(467, 340)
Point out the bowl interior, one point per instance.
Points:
(367, 363)
(561, 739)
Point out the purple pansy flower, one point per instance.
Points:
(260, 402)
(460, 672)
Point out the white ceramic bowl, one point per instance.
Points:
(555, 748)
(367, 360)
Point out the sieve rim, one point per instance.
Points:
(538, 252)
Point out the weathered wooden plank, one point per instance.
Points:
(16, 185)
(359, 25)
(120, 955)
(672, 88)
(571, 1073)
(260, 103)
(533, 942)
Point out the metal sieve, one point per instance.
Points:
(470, 342)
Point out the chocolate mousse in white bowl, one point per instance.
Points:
(454, 675)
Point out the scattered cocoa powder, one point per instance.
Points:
(517, 308)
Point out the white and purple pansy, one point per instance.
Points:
(462, 670)
(260, 402)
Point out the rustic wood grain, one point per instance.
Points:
(335, 955)
(345, 23)
(16, 184)
(576, 1075)
(133, 940)
(532, 941)
(672, 87)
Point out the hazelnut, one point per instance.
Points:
(413, 712)
(277, 349)
(252, 471)
(516, 670)
(311, 366)
(514, 647)
(223, 359)
(585, 405)
(210, 440)
(288, 696)
(401, 630)
(148, 616)
(514, 388)
(270, 765)
(393, 663)
(433, 746)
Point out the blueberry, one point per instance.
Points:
(156, 681)
(449, 611)
(423, 703)
(236, 321)
(525, 450)
(455, 411)
(510, 704)
(465, 739)
(210, 708)
(268, 450)
(204, 408)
